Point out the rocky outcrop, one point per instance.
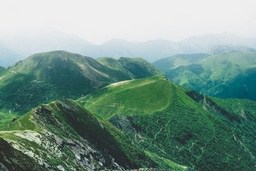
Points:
(64, 136)
(12, 159)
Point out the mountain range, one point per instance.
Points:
(65, 111)
(47, 76)
(227, 73)
(17, 46)
(180, 126)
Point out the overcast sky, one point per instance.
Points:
(137, 20)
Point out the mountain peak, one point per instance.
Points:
(59, 74)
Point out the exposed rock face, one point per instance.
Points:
(64, 136)
(12, 159)
(123, 123)
(55, 145)
(75, 154)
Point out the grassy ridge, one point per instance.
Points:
(181, 129)
(69, 121)
(6, 118)
(44, 77)
(134, 67)
(125, 97)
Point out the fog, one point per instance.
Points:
(134, 20)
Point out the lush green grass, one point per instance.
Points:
(159, 125)
(237, 106)
(245, 110)
(5, 118)
(180, 129)
(21, 123)
(126, 97)
(165, 163)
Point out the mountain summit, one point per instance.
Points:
(59, 74)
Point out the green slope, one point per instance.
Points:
(64, 135)
(175, 61)
(1, 69)
(138, 67)
(125, 97)
(242, 86)
(48, 76)
(218, 75)
(114, 64)
(183, 127)
(135, 67)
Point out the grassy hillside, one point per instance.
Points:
(134, 67)
(138, 67)
(174, 61)
(48, 76)
(1, 69)
(125, 97)
(114, 64)
(64, 135)
(222, 74)
(242, 86)
(182, 127)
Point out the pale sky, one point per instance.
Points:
(134, 20)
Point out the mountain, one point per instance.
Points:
(205, 43)
(175, 61)
(143, 124)
(134, 67)
(176, 126)
(48, 76)
(138, 67)
(242, 86)
(26, 43)
(218, 74)
(150, 50)
(64, 136)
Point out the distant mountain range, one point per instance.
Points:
(16, 47)
(226, 73)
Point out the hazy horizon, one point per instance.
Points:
(31, 33)
(100, 21)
